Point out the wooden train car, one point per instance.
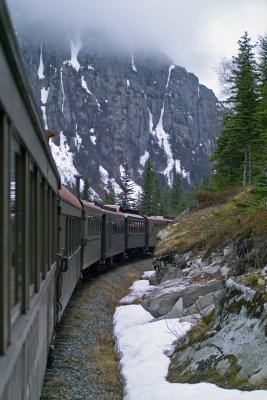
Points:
(92, 233)
(28, 233)
(113, 233)
(69, 248)
(154, 225)
(135, 232)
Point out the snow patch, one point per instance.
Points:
(144, 158)
(104, 175)
(116, 187)
(182, 171)
(62, 88)
(91, 67)
(156, 341)
(138, 289)
(94, 195)
(93, 139)
(85, 87)
(75, 47)
(92, 130)
(43, 108)
(77, 139)
(64, 160)
(44, 95)
(128, 83)
(150, 120)
(41, 64)
(163, 140)
(163, 137)
(133, 63)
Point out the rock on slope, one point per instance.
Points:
(211, 269)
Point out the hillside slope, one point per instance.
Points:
(211, 270)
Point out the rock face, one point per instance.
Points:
(177, 300)
(232, 350)
(110, 105)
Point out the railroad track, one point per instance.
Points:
(84, 365)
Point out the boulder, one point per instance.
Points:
(201, 303)
(231, 351)
(177, 311)
(161, 301)
(212, 269)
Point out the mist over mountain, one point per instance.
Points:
(110, 104)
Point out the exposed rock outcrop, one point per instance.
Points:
(114, 106)
(230, 350)
(180, 298)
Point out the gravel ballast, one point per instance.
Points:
(85, 365)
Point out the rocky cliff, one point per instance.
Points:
(111, 105)
(211, 270)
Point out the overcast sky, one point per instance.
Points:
(196, 34)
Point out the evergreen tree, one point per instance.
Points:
(149, 202)
(176, 192)
(236, 149)
(158, 199)
(261, 115)
(166, 208)
(126, 197)
(86, 187)
(110, 197)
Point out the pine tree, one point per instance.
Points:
(110, 197)
(149, 202)
(126, 197)
(176, 192)
(236, 149)
(86, 188)
(261, 114)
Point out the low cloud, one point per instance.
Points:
(195, 34)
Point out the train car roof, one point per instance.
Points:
(66, 195)
(127, 215)
(112, 207)
(91, 204)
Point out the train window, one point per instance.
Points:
(32, 229)
(16, 231)
(43, 228)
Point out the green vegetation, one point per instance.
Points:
(240, 153)
(157, 198)
(110, 197)
(86, 193)
(221, 216)
(126, 197)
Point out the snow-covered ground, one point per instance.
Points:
(144, 346)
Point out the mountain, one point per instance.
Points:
(110, 105)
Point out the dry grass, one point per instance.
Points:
(57, 382)
(106, 360)
(210, 199)
(104, 355)
(206, 228)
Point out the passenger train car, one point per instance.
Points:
(48, 237)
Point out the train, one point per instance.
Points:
(48, 236)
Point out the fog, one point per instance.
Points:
(195, 34)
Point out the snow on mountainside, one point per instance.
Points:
(113, 106)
